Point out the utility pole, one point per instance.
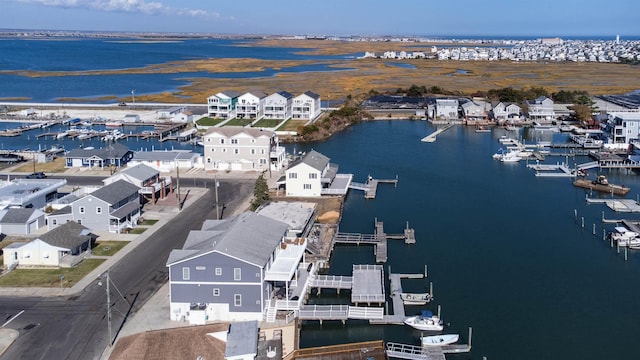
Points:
(133, 98)
(215, 178)
(178, 185)
(109, 307)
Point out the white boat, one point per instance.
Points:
(511, 156)
(112, 123)
(415, 299)
(62, 135)
(625, 237)
(439, 340)
(425, 321)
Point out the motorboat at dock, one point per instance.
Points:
(415, 299)
(439, 340)
(625, 237)
(425, 321)
(602, 184)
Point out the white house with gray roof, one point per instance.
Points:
(152, 185)
(232, 268)
(251, 105)
(306, 106)
(313, 175)
(278, 105)
(167, 161)
(21, 221)
(223, 104)
(241, 148)
(50, 248)
(114, 154)
(541, 109)
(113, 208)
(506, 111)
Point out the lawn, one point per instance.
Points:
(137, 231)
(292, 125)
(207, 121)
(49, 277)
(108, 248)
(55, 166)
(148, 222)
(239, 122)
(267, 123)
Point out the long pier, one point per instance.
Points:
(370, 188)
(432, 137)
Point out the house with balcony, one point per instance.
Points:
(506, 112)
(278, 105)
(312, 175)
(251, 105)
(306, 106)
(443, 109)
(242, 148)
(29, 193)
(624, 127)
(152, 185)
(223, 104)
(113, 208)
(474, 112)
(541, 109)
(235, 269)
(167, 161)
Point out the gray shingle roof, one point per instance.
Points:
(62, 211)
(113, 151)
(17, 215)
(315, 160)
(162, 155)
(115, 192)
(285, 94)
(248, 236)
(141, 172)
(68, 235)
(229, 131)
(312, 95)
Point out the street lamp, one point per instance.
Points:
(133, 97)
(217, 184)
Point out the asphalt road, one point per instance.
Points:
(75, 327)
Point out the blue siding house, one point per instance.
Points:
(115, 155)
(226, 271)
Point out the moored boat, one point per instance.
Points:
(439, 340)
(625, 237)
(602, 184)
(415, 299)
(425, 321)
(112, 123)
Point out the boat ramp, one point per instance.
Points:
(378, 239)
(432, 137)
(370, 188)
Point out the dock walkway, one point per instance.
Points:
(378, 239)
(412, 352)
(370, 188)
(432, 137)
(618, 205)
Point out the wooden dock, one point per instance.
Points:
(413, 352)
(370, 188)
(617, 205)
(378, 239)
(432, 137)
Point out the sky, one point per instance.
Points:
(331, 17)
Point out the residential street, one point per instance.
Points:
(75, 327)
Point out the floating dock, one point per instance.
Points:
(432, 137)
(618, 205)
(378, 239)
(552, 170)
(370, 188)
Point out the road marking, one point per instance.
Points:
(10, 320)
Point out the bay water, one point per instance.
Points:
(504, 248)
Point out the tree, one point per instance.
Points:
(260, 193)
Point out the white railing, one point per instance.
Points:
(361, 312)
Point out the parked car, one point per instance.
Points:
(37, 175)
(122, 104)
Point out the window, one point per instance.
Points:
(81, 209)
(221, 141)
(54, 221)
(262, 151)
(216, 292)
(237, 274)
(263, 161)
(79, 221)
(224, 150)
(313, 176)
(218, 271)
(208, 160)
(236, 151)
(186, 273)
(253, 151)
(293, 175)
(201, 268)
(237, 300)
(208, 139)
(213, 150)
(253, 141)
(234, 141)
(307, 186)
(99, 210)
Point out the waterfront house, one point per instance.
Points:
(230, 269)
(29, 193)
(474, 113)
(506, 111)
(20, 221)
(170, 114)
(167, 161)
(624, 127)
(306, 106)
(243, 149)
(541, 109)
(131, 118)
(223, 104)
(251, 105)
(152, 185)
(58, 247)
(115, 155)
(113, 208)
(278, 105)
(312, 175)
(443, 109)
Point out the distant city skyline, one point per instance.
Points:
(491, 18)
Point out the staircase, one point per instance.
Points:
(271, 312)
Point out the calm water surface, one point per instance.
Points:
(503, 247)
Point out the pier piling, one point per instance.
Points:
(625, 253)
(594, 229)
(583, 222)
(575, 212)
